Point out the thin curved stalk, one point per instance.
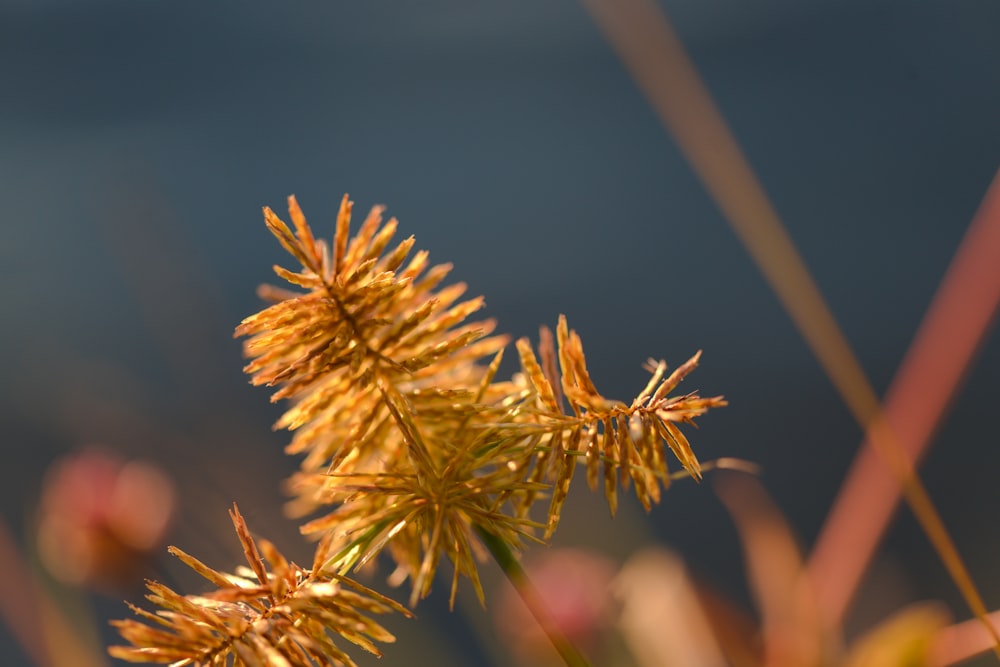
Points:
(522, 583)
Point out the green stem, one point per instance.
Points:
(519, 578)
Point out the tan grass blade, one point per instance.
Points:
(662, 620)
(790, 624)
(649, 48)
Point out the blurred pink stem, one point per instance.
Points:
(961, 641)
(47, 635)
(18, 600)
(953, 329)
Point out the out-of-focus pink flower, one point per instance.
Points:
(101, 518)
(575, 587)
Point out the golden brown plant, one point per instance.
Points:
(272, 612)
(409, 443)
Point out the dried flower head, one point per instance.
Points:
(620, 442)
(365, 318)
(272, 612)
(410, 446)
(408, 439)
(392, 404)
(432, 503)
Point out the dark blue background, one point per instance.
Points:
(138, 141)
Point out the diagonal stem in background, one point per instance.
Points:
(651, 51)
(939, 357)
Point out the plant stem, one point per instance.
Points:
(519, 578)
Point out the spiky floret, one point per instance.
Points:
(625, 440)
(461, 470)
(272, 612)
(409, 444)
(366, 315)
(406, 434)
(390, 397)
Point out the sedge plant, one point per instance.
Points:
(411, 447)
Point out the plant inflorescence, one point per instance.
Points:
(410, 446)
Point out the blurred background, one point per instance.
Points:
(138, 142)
